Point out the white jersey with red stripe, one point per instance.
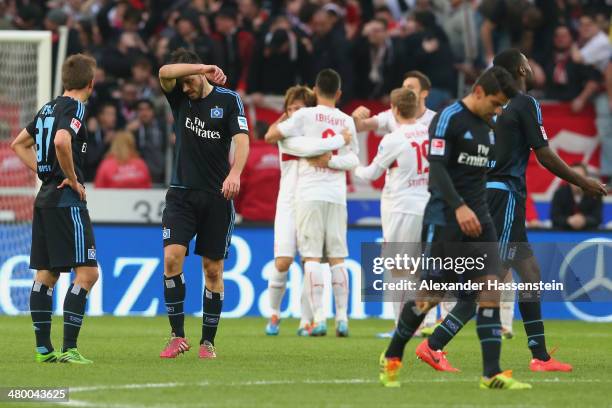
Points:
(315, 184)
(387, 123)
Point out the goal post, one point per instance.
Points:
(25, 86)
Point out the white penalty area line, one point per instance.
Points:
(349, 381)
(109, 387)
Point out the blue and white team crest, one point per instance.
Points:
(242, 123)
(216, 113)
(468, 135)
(91, 254)
(491, 137)
(166, 233)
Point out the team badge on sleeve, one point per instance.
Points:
(75, 125)
(242, 123)
(543, 133)
(216, 113)
(437, 147)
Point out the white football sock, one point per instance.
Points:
(445, 308)
(306, 315)
(340, 287)
(506, 310)
(315, 272)
(430, 318)
(277, 284)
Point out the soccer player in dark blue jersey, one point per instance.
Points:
(457, 225)
(54, 146)
(519, 130)
(207, 118)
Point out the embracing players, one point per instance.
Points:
(457, 224)
(285, 235)
(321, 216)
(199, 201)
(518, 130)
(62, 235)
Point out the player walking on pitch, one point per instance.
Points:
(519, 129)
(321, 215)
(199, 201)
(290, 150)
(457, 224)
(54, 146)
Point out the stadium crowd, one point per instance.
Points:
(266, 46)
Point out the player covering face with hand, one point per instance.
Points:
(207, 118)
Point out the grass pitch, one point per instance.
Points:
(253, 370)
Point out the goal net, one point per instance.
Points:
(25, 78)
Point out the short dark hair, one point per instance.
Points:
(495, 80)
(328, 82)
(78, 71)
(423, 79)
(405, 101)
(146, 102)
(511, 60)
(183, 56)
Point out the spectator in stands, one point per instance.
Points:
(260, 180)
(188, 36)
(102, 131)
(428, 51)
(128, 96)
(28, 17)
(331, 48)
(122, 167)
(377, 61)
(252, 14)
(571, 209)
(142, 77)
(567, 80)
(506, 24)
(151, 139)
(462, 31)
(237, 45)
(53, 20)
(117, 60)
(595, 48)
(279, 61)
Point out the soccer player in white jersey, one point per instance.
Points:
(402, 155)
(290, 150)
(385, 123)
(321, 214)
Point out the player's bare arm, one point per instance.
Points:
(63, 150)
(549, 159)
(22, 146)
(231, 185)
(168, 74)
(273, 135)
(363, 120)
